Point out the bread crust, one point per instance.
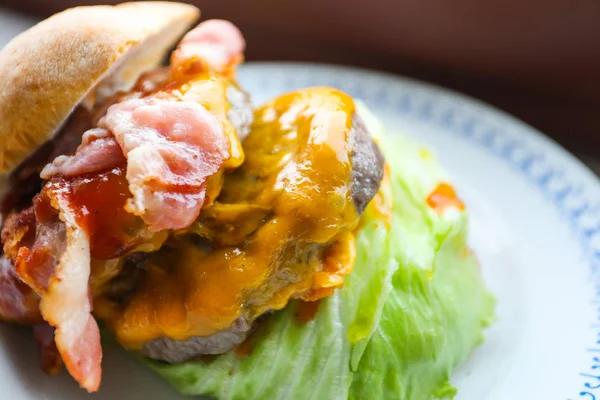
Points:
(51, 68)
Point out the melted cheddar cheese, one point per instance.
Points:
(281, 228)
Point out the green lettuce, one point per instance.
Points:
(412, 309)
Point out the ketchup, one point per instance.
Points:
(98, 200)
(442, 197)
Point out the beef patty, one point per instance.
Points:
(367, 174)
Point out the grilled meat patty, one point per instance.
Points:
(367, 174)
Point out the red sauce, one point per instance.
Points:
(44, 212)
(99, 202)
(306, 311)
(443, 197)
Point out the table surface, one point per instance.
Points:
(12, 23)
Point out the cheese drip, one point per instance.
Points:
(280, 229)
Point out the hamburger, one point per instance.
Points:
(240, 253)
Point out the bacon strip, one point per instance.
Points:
(66, 304)
(216, 44)
(171, 147)
(39, 251)
(53, 259)
(98, 151)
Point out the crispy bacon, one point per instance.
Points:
(214, 45)
(98, 151)
(53, 259)
(171, 147)
(66, 304)
(18, 302)
(18, 230)
(37, 256)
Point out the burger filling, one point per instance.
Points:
(172, 223)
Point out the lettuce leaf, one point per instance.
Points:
(300, 359)
(412, 309)
(429, 325)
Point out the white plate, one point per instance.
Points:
(535, 226)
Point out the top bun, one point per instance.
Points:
(79, 54)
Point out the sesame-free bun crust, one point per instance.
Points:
(79, 54)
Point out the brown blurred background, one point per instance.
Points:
(538, 60)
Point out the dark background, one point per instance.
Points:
(538, 60)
